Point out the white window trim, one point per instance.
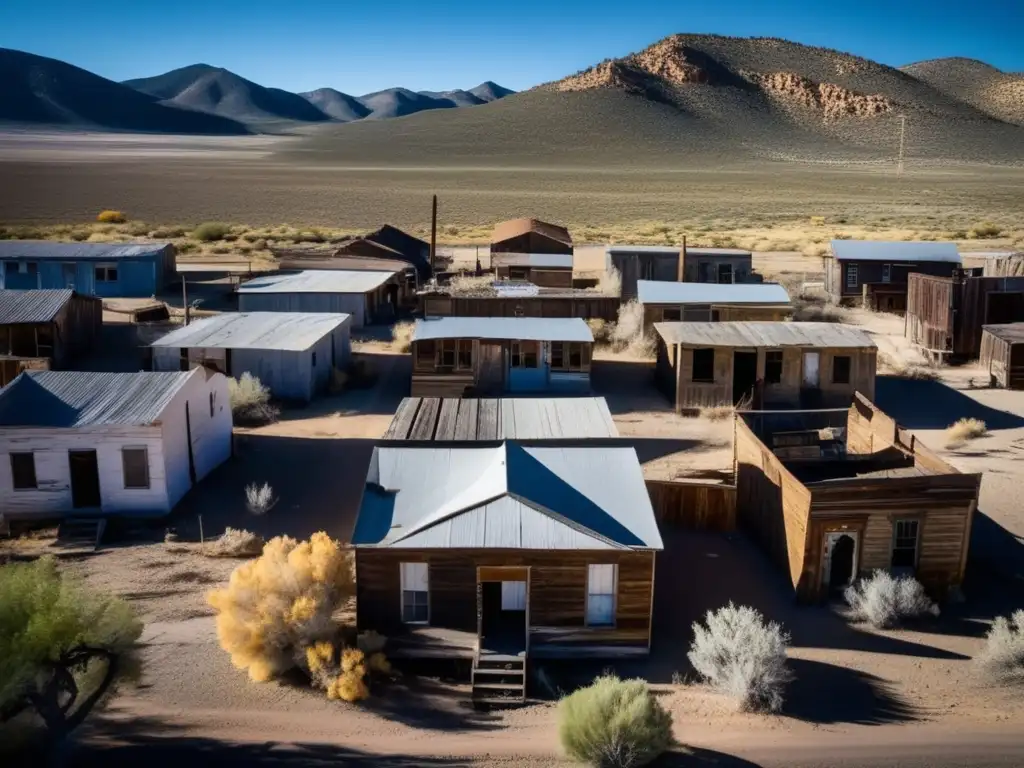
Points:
(615, 597)
(106, 266)
(402, 590)
(124, 475)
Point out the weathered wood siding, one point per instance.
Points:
(693, 505)
(545, 277)
(870, 272)
(644, 265)
(1003, 360)
(703, 268)
(10, 367)
(587, 307)
(706, 313)
(530, 242)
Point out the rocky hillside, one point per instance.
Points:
(997, 93)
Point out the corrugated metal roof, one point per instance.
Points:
(665, 250)
(85, 398)
(506, 497)
(515, 289)
(539, 260)
(1011, 332)
(882, 250)
(717, 252)
(501, 328)
(764, 334)
(41, 250)
(318, 281)
(513, 418)
(506, 230)
(661, 292)
(255, 330)
(39, 306)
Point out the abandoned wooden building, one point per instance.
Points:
(945, 315)
(834, 496)
(369, 297)
(549, 270)
(874, 274)
(530, 236)
(483, 355)
(1003, 264)
(87, 443)
(517, 299)
(291, 353)
(762, 364)
(697, 302)
(718, 265)
(1002, 355)
(643, 262)
(503, 552)
(45, 329)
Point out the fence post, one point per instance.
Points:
(202, 539)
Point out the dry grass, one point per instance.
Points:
(234, 542)
(601, 330)
(467, 283)
(718, 413)
(963, 431)
(401, 336)
(610, 282)
(901, 369)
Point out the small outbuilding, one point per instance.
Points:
(717, 265)
(369, 297)
(662, 263)
(455, 355)
(875, 274)
(530, 236)
(85, 443)
(130, 270)
(549, 270)
(786, 365)
(833, 496)
(291, 353)
(697, 302)
(45, 329)
(1002, 354)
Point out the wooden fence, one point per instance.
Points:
(694, 505)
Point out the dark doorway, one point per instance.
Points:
(725, 273)
(502, 620)
(191, 455)
(840, 571)
(744, 375)
(85, 479)
(1004, 308)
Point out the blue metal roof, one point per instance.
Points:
(894, 251)
(43, 250)
(294, 331)
(662, 292)
(503, 328)
(36, 306)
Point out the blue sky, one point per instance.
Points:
(359, 47)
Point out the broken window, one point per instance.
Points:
(570, 356)
(670, 315)
(424, 355)
(773, 366)
(465, 355)
(887, 273)
(704, 366)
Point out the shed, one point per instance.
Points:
(875, 273)
(550, 270)
(662, 263)
(84, 443)
(518, 299)
(45, 329)
(369, 297)
(698, 302)
(706, 365)
(453, 355)
(1002, 354)
(530, 236)
(860, 497)
(718, 265)
(291, 353)
(132, 270)
(506, 552)
(410, 249)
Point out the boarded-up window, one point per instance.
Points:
(704, 365)
(773, 366)
(513, 595)
(601, 595)
(136, 467)
(415, 593)
(904, 545)
(851, 275)
(23, 471)
(841, 369)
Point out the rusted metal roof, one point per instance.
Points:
(36, 306)
(506, 230)
(764, 334)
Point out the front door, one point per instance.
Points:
(839, 560)
(503, 609)
(744, 376)
(85, 479)
(812, 373)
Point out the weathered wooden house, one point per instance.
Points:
(1002, 354)
(483, 355)
(1003, 264)
(83, 443)
(718, 265)
(945, 315)
(95, 269)
(517, 299)
(530, 236)
(291, 353)
(875, 274)
(369, 297)
(412, 250)
(833, 504)
(786, 365)
(503, 552)
(698, 302)
(663, 263)
(549, 270)
(45, 329)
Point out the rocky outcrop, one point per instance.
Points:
(607, 74)
(833, 101)
(668, 60)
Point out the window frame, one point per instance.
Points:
(124, 468)
(851, 271)
(849, 369)
(769, 365)
(566, 351)
(518, 358)
(106, 269)
(402, 590)
(14, 473)
(672, 315)
(693, 366)
(887, 273)
(614, 595)
(916, 522)
(424, 355)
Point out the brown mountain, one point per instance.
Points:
(997, 93)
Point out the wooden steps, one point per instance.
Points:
(81, 532)
(499, 680)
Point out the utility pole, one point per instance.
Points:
(903, 133)
(433, 234)
(184, 299)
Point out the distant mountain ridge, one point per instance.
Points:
(996, 93)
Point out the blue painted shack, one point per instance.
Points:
(129, 270)
(453, 356)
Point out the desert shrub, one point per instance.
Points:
(743, 656)
(718, 413)
(901, 369)
(628, 335)
(210, 231)
(135, 229)
(168, 233)
(53, 632)
(469, 283)
(234, 542)
(401, 336)
(963, 431)
(280, 604)
(1002, 658)
(812, 312)
(883, 600)
(259, 498)
(984, 230)
(601, 329)
(610, 282)
(186, 247)
(614, 723)
(79, 235)
(111, 217)
(250, 401)
(370, 642)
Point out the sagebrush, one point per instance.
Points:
(210, 231)
(234, 542)
(401, 336)
(741, 655)
(614, 723)
(963, 431)
(250, 401)
(883, 600)
(259, 499)
(628, 334)
(1002, 658)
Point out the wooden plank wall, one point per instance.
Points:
(692, 505)
(973, 308)
(1003, 360)
(930, 311)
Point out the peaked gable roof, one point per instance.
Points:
(34, 306)
(506, 230)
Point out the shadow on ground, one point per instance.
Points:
(692, 757)
(828, 694)
(627, 385)
(934, 405)
(422, 703)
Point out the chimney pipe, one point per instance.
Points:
(682, 260)
(433, 233)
